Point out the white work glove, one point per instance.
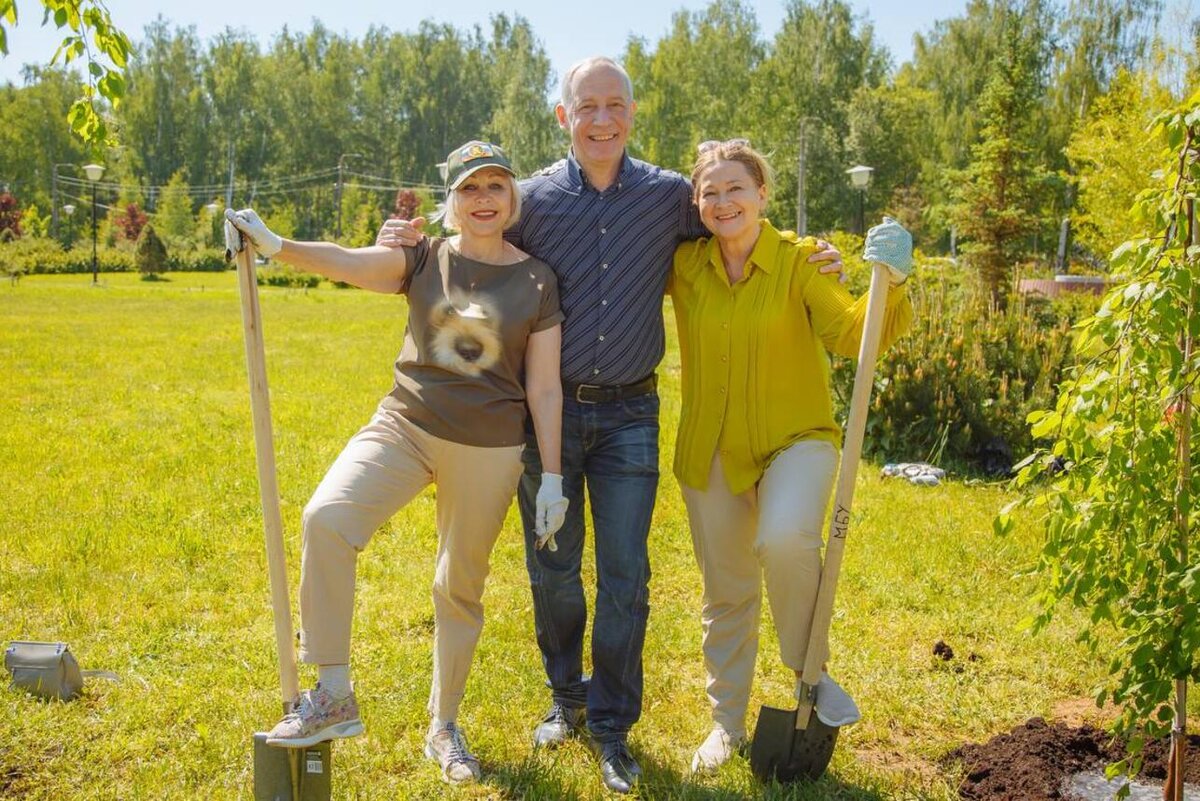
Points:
(551, 511)
(267, 242)
(889, 243)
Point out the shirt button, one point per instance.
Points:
(604, 303)
(604, 230)
(602, 337)
(604, 266)
(596, 371)
(725, 325)
(724, 358)
(722, 390)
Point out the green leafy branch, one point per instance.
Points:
(1113, 489)
(91, 35)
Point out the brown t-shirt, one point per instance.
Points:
(461, 373)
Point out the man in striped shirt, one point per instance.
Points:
(607, 224)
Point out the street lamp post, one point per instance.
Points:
(94, 171)
(69, 210)
(212, 214)
(860, 179)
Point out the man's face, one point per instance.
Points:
(600, 116)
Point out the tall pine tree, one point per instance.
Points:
(998, 193)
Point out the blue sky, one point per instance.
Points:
(567, 31)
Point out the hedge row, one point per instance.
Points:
(30, 256)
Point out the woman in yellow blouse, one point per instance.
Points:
(756, 455)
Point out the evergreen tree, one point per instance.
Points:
(174, 211)
(151, 253)
(998, 194)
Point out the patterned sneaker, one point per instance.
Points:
(717, 749)
(448, 748)
(317, 717)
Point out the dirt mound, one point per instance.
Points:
(1030, 762)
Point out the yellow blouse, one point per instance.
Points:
(754, 354)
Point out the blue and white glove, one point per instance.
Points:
(267, 242)
(889, 243)
(551, 511)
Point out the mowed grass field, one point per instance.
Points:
(130, 527)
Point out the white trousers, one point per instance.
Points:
(382, 468)
(771, 532)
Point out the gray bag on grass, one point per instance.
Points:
(46, 669)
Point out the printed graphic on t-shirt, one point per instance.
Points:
(466, 336)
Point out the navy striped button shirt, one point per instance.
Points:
(612, 253)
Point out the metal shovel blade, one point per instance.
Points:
(782, 752)
(291, 774)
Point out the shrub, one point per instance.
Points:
(10, 217)
(151, 254)
(407, 205)
(34, 223)
(131, 221)
(957, 387)
(32, 256)
(206, 260)
(283, 275)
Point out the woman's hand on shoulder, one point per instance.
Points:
(401, 233)
(830, 260)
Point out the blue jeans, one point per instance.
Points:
(613, 448)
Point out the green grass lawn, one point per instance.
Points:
(130, 528)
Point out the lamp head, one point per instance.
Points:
(69, 209)
(860, 176)
(94, 171)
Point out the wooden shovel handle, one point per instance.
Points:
(839, 524)
(264, 444)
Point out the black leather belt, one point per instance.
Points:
(598, 393)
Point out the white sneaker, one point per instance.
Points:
(448, 748)
(717, 749)
(834, 705)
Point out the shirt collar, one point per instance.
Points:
(577, 180)
(763, 255)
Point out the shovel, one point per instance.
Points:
(280, 774)
(792, 744)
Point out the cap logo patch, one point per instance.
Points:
(477, 152)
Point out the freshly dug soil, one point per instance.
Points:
(1030, 762)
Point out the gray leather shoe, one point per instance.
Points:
(560, 723)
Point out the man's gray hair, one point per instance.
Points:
(568, 81)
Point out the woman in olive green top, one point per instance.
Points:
(482, 343)
(757, 454)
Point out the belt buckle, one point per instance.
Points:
(579, 388)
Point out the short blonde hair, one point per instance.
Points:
(450, 215)
(738, 150)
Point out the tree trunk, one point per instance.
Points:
(1173, 788)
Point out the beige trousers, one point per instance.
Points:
(771, 532)
(382, 468)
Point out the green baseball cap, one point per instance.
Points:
(466, 160)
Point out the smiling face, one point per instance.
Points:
(483, 202)
(730, 200)
(598, 115)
